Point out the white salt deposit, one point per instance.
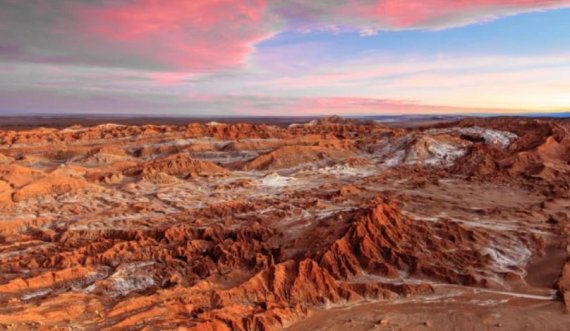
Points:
(345, 170)
(276, 180)
(128, 277)
(443, 154)
(502, 138)
(35, 294)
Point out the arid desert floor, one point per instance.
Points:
(330, 224)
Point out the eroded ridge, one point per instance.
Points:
(252, 227)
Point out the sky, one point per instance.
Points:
(284, 57)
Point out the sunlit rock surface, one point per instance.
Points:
(327, 224)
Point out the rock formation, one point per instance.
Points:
(257, 227)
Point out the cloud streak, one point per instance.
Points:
(372, 16)
(363, 86)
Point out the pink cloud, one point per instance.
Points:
(373, 106)
(439, 13)
(352, 105)
(169, 78)
(197, 35)
(211, 35)
(372, 15)
(260, 105)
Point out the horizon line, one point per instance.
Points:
(565, 113)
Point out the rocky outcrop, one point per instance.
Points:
(53, 185)
(178, 165)
(102, 156)
(18, 176)
(540, 150)
(291, 156)
(5, 195)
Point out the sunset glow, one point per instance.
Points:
(274, 57)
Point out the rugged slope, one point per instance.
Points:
(178, 165)
(254, 227)
(291, 156)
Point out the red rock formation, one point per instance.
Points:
(291, 156)
(178, 165)
(18, 176)
(102, 231)
(52, 185)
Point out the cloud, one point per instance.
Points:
(367, 32)
(197, 35)
(375, 106)
(360, 85)
(201, 36)
(208, 105)
(194, 36)
(369, 16)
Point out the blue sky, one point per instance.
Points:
(525, 34)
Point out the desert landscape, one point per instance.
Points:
(299, 165)
(328, 224)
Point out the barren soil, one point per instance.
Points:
(332, 224)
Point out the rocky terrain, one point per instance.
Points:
(332, 224)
